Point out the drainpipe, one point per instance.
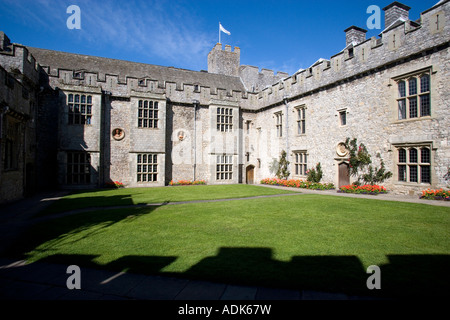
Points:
(285, 99)
(196, 102)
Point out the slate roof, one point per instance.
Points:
(70, 61)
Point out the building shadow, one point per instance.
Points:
(256, 266)
(405, 276)
(59, 229)
(130, 264)
(418, 276)
(66, 204)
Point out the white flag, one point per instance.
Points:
(223, 29)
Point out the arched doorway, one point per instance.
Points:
(250, 174)
(344, 174)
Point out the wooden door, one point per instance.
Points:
(250, 174)
(344, 174)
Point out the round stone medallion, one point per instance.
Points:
(118, 134)
(341, 150)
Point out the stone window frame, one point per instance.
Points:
(78, 75)
(224, 167)
(279, 123)
(79, 109)
(224, 119)
(301, 119)
(248, 124)
(342, 117)
(413, 95)
(300, 162)
(78, 168)
(146, 167)
(148, 114)
(413, 166)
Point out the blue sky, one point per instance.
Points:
(278, 35)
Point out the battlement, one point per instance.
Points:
(219, 47)
(178, 91)
(17, 60)
(15, 97)
(402, 39)
(5, 43)
(399, 42)
(256, 80)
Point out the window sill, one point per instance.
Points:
(413, 119)
(224, 132)
(412, 184)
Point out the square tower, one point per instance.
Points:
(225, 61)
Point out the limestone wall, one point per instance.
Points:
(360, 81)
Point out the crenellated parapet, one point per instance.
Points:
(401, 41)
(226, 79)
(18, 61)
(255, 80)
(122, 77)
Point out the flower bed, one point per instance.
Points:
(187, 183)
(114, 185)
(439, 194)
(295, 183)
(365, 189)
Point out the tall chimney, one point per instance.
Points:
(394, 11)
(354, 34)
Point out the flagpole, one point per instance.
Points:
(219, 33)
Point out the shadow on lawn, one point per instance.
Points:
(69, 204)
(405, 276)
(55, 231)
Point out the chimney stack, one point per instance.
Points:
(354, 34)
(395, 11)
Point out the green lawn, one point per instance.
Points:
(133, 196)
(309, 241)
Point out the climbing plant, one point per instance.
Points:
(361, 167)
(283, 166)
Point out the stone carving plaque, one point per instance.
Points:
(341, 150)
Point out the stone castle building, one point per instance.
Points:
(70, 120)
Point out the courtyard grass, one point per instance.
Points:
(314, 242)
(133, 196)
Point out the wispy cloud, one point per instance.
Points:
(149, 29)
(154, 28)
(39, 13)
